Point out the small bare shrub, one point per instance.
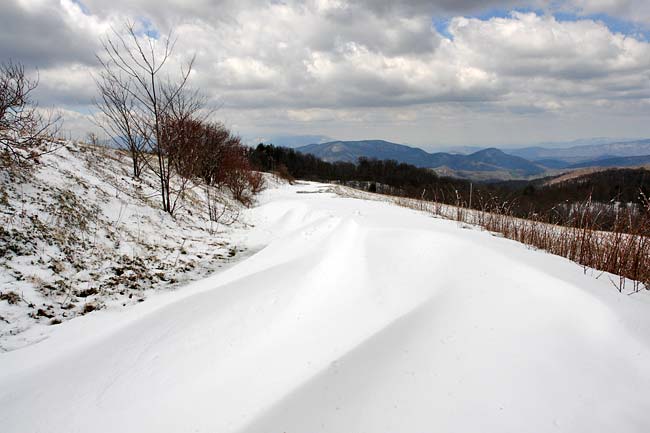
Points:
(11, 297)
(88, 308)
(282, 172)
(256, 182)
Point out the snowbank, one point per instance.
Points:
(354, 316)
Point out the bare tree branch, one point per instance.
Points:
(25, 133)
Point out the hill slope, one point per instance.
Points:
(354, 316)
(487, 160)
(78, 234)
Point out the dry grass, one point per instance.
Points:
(623, 251)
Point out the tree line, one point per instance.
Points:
(610, 192)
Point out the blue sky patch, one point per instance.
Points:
(147, 28)
(82, 6)
(615, 25)
(442, 26)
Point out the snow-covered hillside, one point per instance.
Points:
(77, 234)
(353, 316)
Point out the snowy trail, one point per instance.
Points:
(354, 316)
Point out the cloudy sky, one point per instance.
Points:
(426, 72)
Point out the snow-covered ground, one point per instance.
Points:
(78, 234)
(353, 316)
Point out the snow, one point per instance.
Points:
(77, 231)
(352, 316)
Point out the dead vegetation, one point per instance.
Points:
(11, 297)
(79, 234)
(81, 228)
(623, 251)
(151, 113)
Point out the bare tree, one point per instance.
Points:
(135, 66)
(92, 139)
(213, 147)
(119, 116)
(239, 177)
(182, 130)
(24, 132)
(164, 123)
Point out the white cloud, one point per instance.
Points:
(352, 66)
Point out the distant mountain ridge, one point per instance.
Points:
(487, 160)
(492, 163)
(581, 142)
(288, 140)
(622, 161)
(579, 154)
(351, 151)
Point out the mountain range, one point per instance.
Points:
(620, 161)
(584, 153)
(486, 160)
(491, 163)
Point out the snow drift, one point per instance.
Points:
(354, 316)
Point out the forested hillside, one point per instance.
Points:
(615, 189)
